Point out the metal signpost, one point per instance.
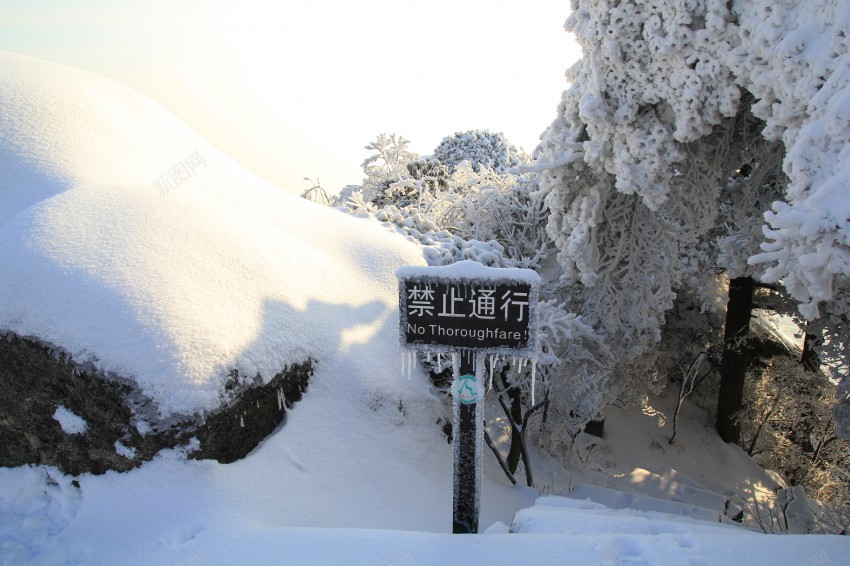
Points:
(468, 310)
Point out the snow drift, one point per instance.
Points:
(131, 242)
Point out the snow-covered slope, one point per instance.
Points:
(130, 241)
(173, 286)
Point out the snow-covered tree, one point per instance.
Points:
(636, 169)
(387, 165)
(628, 185)
(480, 149)
(795, 59)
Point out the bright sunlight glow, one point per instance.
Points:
(296, 89)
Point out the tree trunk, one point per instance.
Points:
(736, 358)
(810, 357)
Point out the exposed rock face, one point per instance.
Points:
(35, 380)
(230, 433)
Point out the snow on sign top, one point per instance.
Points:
(467, 305)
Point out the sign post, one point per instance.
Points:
(468, 310)
(467, 447)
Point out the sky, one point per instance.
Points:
(297, 89)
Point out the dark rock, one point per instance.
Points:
(36, 379)
(230, 433)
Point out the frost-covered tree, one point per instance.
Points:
(388, 164)
(480, 149)
(795, 59)
(636, 168)
(628, 186)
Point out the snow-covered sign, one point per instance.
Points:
(468, 306)
(470, 310)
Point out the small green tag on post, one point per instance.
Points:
(467, 390)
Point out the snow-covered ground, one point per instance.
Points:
(131, 242)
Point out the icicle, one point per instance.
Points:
(493, 359)
(478, 361)
(439, 362)
(519, 364)
(409, 364)
(533, 380)
(405, 364)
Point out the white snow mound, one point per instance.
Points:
(131, 242)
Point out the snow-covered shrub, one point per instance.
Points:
(317, 193)
(420, 185)
(575, 366)
(480, 149)
(474, 204)
(386, 166)
(554, 397)
(441, 247)
(506, 207)
(396, 176)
